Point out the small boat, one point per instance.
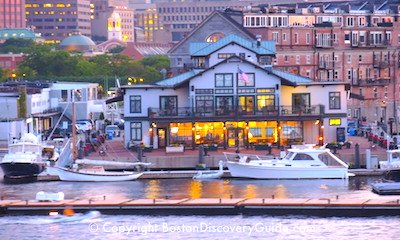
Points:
(211, 174)
(391, 165)
(301, 162)
(75, 217)
(386, 188)
(94, 174)
(26, 158)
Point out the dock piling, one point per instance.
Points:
(154, 201)
(220, 200)
(231, 196)
(337, 197)
(104, 197)
(263, 200)
(273, 196)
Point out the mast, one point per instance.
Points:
(73, 144)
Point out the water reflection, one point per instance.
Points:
(195, 189)
(188, 188)
(153, 189)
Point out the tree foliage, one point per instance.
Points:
(44, 62)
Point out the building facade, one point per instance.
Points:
(12, 14)
(353, 41)
(233, 98)
(56, 20)
(112, 19)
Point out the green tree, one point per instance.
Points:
(157, 62)
(117, 49)
(16, 45)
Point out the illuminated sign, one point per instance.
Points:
(335, 121)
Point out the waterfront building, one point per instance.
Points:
(26, 109)
(12, 14)
(233, 97)
(37, 106)
(56, 20)
(355, 41)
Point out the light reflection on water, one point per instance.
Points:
(187, 188)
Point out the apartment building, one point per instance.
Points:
(56, 20)
(12, 14)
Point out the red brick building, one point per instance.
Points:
(355, 42)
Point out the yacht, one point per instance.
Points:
(26, 158)
(301, 162)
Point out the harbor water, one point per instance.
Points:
(200, 227)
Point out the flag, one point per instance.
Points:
(243, 76)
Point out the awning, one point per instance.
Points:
(118, 98)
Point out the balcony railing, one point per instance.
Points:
(229, 112)
(326, 65)
(381, 64)
(374, 82)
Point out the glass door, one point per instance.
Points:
(162, 143)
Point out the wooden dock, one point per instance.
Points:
(210, 206)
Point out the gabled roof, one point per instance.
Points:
(202, 49)
(286, 78)
(224, 15)
(177, 80)
(289, 77)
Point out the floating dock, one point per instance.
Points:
(210, 206)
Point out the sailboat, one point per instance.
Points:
(92, 174)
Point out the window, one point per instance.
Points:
(349, 74)
(245, 79)
(360, 58)
(169, 105)
(225, 55)
(297, 59)
(136, 131)
(303, 157)
(265, 103)
(296, 38)
(224, 105)
(224, 80)
(308, 38)
(64, 95)
(204, 104)
(275, 37)
(334, 100)
(308, 59)
(246, 104)
(135, 104)
(349, 58)
(283, 36)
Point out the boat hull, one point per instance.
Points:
(94, 176)
(15, 172)
(265, 172)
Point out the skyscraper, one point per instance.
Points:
(56, 20)
(12, 14)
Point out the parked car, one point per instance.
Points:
(112, 131)
(84, 125)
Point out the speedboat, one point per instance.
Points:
(75, 217)
(301, 162)
(211, 174)
(26, 158)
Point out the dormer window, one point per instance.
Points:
(215, 37)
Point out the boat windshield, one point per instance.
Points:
(23, 148)
(289, 155)
(328, 159)
(303, 157)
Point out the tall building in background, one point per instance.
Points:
(12, 14)
(56, 20)
(113, 19)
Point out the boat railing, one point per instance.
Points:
(236, 157)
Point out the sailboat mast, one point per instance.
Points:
(73, 144)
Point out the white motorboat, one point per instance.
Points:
(301, 162)
(94, 174)
(26, 158)
(210, 174)
(76, 217)
(393, 160)
(391, 165)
